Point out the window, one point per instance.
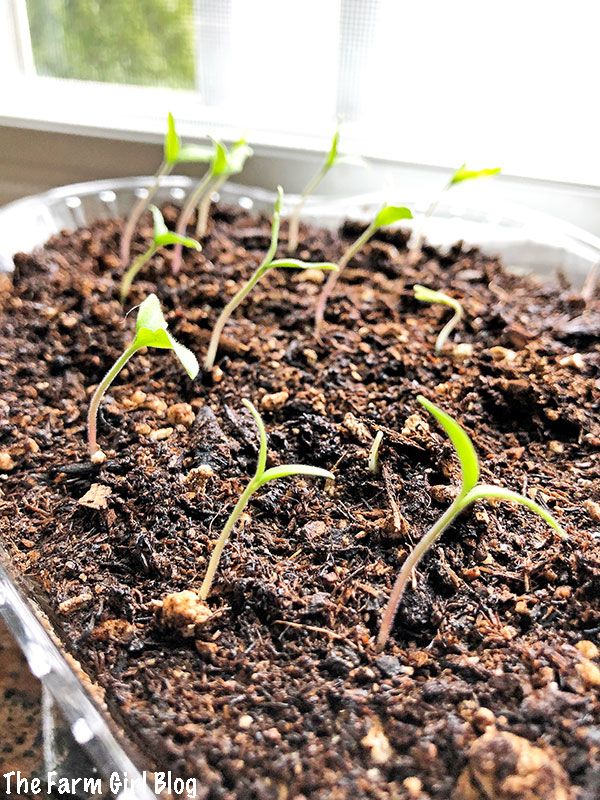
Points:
(428, 82)
(146, 42)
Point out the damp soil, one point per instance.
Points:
(281, 692)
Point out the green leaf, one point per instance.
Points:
(487, 492)
(333, 150)
(187, 359)
(262, 449)
(151, 331)
(195, 153)
(461, 442)
(230, 162)
(159, 224)
(387, 215)
(163, 236)
(238, 155)
(464, 174)
(219, 165)
(175, 238)
(287, 470)
(150, 316)
(294, 263)
(172, 142)
(426, 295)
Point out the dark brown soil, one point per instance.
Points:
(281, 694)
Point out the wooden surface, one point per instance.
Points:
(20, 718)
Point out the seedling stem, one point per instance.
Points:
(386, 215)
(161, 238)
(261, 477)
(426, 295)
(269, 262)
(471, 491)
(460, 175)
(150, 331)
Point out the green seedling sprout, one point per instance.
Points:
(150, 331)
(387, 215)
(470, 491)
(460, 175)
(224, 163)
(426, 295)
(374, 453)
(161, 237)
(261, 477)
(173, 153)
(268, 263)
(332, 158)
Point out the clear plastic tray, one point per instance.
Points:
(528, 241)
(79, 739)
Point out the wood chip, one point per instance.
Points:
(96, 497)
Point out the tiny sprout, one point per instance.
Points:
(267, 264)
(173, 153)
(150, 331)
(162, 237)
(386, 215)
(261, 476)
(224, 164)
(426, 295)
(374, 453)
(470, 491)
(332, 158)
(464, 174)
(460, 175)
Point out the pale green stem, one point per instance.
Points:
(186, 215)
(333, 276)
(213, 346)
(447, 329)
(294, 223)
(231, 306)
(204, 207)
(133, 270)
(137, 211)
(213, 564)
(411, 562)
(100, 392)
(463, 501)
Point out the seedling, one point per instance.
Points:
(387, 215)
(162, 237)
(374, 453)
(460, 175)
(150, 331)
(261, 476)
(268, 263)
(426, 295)
(470, 491)
(332, 158)
(224, 164)
(174, 153)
